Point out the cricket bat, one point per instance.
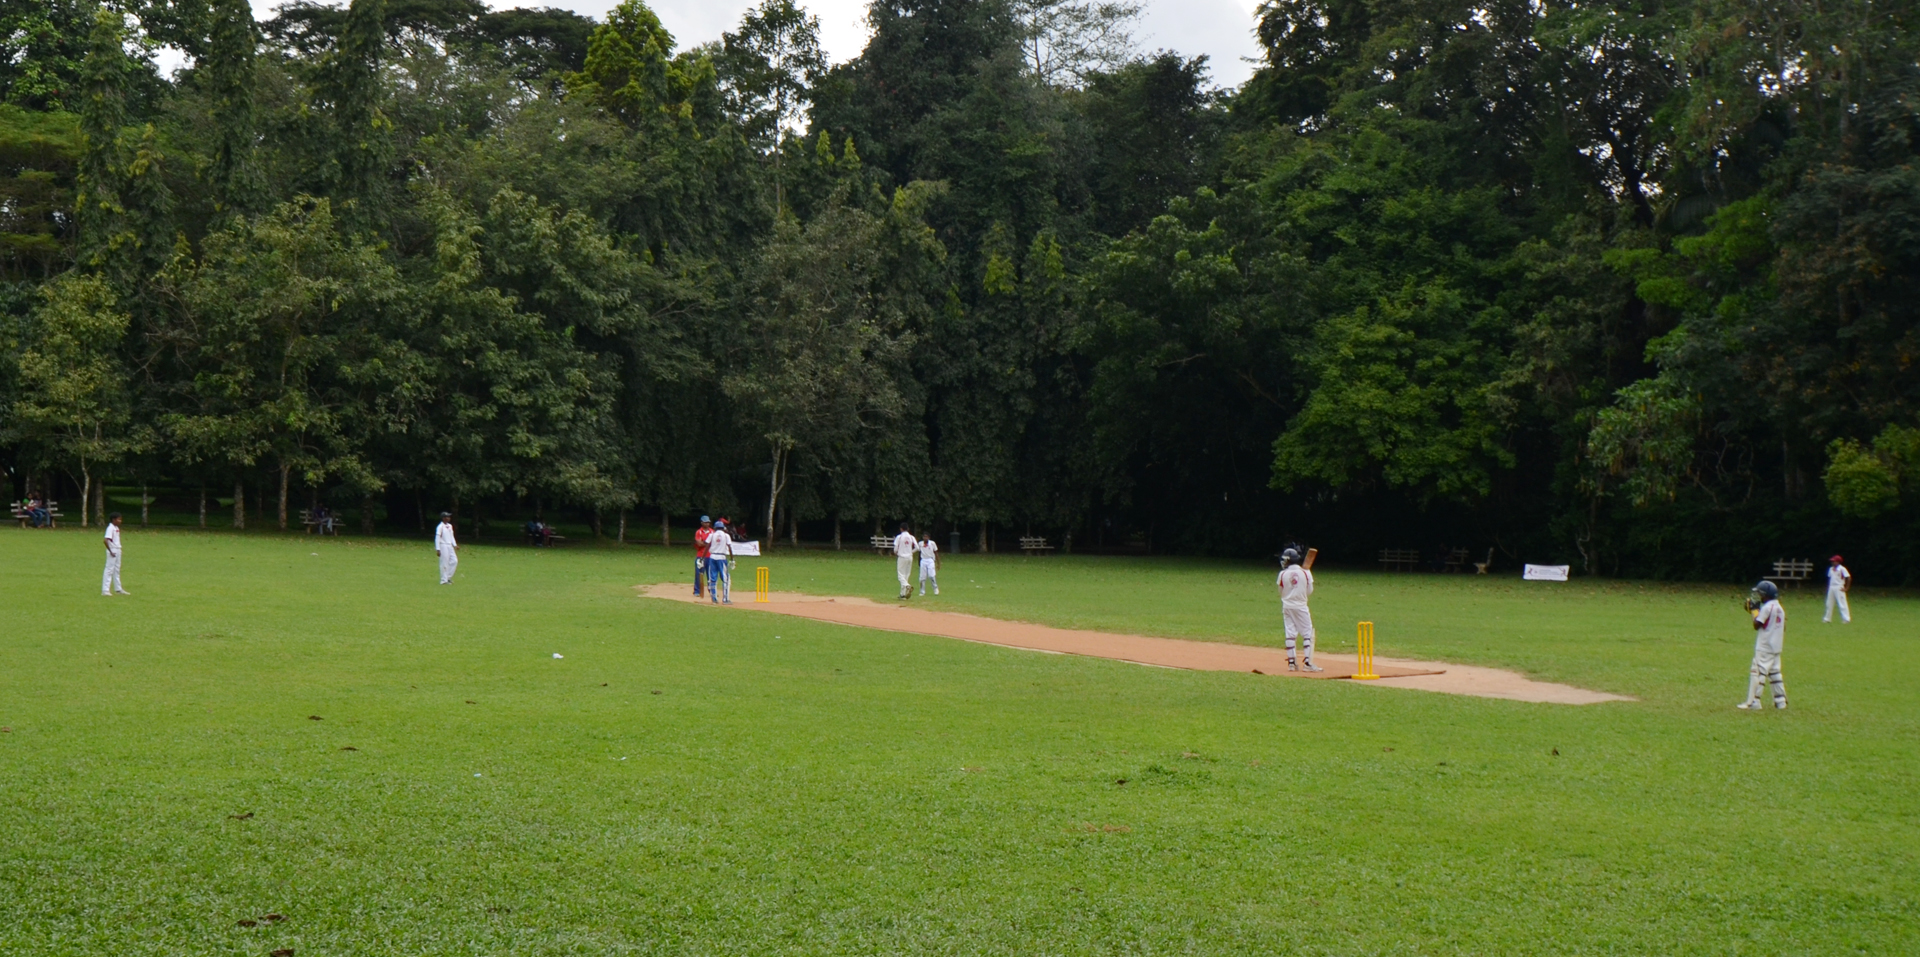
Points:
(1307, 563)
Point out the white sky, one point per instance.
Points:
(1222, 29)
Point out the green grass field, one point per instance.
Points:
(686, 781)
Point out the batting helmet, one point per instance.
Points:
(1766, 591)
(1289, 557)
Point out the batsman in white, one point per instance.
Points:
(1295, 584)
(1839, 582)
(1770, 627)
(445, 547)
(929, 567)
(110, 578)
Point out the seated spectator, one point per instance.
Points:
(37, 512)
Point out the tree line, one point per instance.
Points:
(1624, 284)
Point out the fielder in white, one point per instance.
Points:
(110, 578)
(445, 547)
(1839, 582)
(928, 566)
(903, 548)
(1295, 584)
(1770, 623)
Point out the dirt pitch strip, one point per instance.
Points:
(1140, 649)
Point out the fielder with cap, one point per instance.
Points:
(445, 547)
(110, 578)
(1839, 582)
(1770, 627)
(1295, 584)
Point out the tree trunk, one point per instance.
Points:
(983, 537)
(86, 495)
(596, 523)
(776, 483)
(476, 521)
(666, 528)
(836, 531)
(793, 528)
(239, 504)
(203, 505)
(144, 502)
(623, 528)
(366, 514)
(100, 500)
(419, 511)
(284, 469)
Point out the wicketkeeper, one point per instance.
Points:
(1770, 623)
(1295, 584)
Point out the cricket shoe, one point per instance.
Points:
(1312, 667)
(1291, 666)
(123, 592)
(1780, 705)
(1748, 706)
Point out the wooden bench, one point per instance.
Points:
(1034, 545)
(25, 518)
(1400, 559)
(1480, 568)
(313, 524)
(1456, 560)
(1795, 570)
(881, 544)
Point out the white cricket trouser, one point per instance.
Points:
(1766, 671)
(926, 577)
(449, 560)
(1299, 622)
(905, 567)
(110, 577)
(1837, 596)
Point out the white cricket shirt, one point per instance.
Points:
(443, 537)
(1296, 584)
(903, 544)
(927, 548)
(1773, 627)
(112, 539)
(720, 544)
(1837, 576)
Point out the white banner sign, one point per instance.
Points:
(1546, 573)
(749, 549)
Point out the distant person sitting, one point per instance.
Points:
(38, 513)
(323, 520)
(539, 534)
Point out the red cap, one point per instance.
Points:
(1835, 559)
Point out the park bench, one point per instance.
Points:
(1034, 545)
(1795, 570)
(21, 514)
(881, 544)
(1399, 559)
(1480, 568)
(1456, 560)
(537, 539)
(313, 523)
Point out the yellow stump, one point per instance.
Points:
(760, 583)
(1364, 668)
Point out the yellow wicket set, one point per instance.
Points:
(760, 590)
(1363, 669)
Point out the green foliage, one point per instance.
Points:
(1866, 482)
(39, 153)
(632, 73)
